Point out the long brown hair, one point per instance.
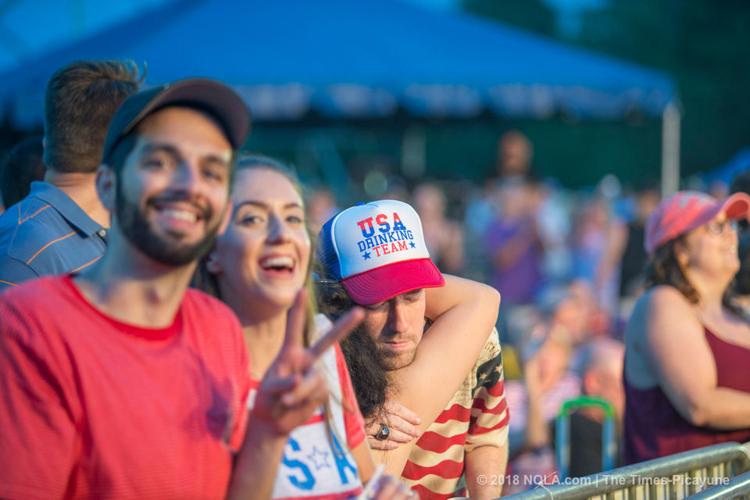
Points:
(664, 269)
(369, 376)
(208, 282)
(205, 280)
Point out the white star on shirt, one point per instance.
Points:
(319, 458)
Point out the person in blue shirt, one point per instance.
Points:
(21, 167)
(60, 226)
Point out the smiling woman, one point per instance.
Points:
(687, 381)
(263, 257)
(257, 267)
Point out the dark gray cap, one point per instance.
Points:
(217, 99)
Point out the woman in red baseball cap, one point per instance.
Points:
(687, 362)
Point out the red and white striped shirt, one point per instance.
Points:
(477, 415)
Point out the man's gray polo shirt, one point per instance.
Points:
(46, 233)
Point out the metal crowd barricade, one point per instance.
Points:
(674, 477)
(737, 487)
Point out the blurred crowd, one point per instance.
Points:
(570, 266)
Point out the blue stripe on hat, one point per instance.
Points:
(327, 255)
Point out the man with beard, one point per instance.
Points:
(421, 362)
(60, 226)
(119, 382)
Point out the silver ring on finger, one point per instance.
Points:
(383, 433)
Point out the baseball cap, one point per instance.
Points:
(687, 210)
(214, 97)
(377, 251)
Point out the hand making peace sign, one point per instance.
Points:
(292, 388)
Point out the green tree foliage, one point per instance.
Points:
(703, 44)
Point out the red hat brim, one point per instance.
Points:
(386, 282)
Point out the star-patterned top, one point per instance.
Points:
(317, 461)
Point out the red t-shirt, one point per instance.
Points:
(93, 407)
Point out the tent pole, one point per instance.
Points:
(414, 152)
(670, 149)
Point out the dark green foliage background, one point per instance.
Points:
(703, 44)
